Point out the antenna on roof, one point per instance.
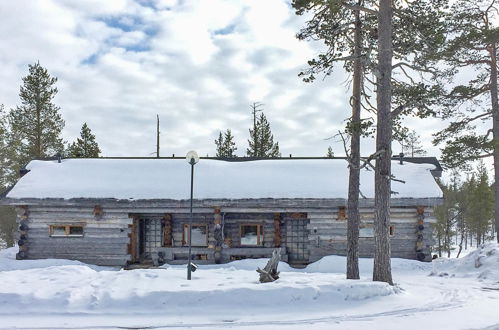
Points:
(157, 136)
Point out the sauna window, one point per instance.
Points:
(251, 235)
(342, 213)
(199, 235)
(366, 231)
(392, 230)
(66, 231)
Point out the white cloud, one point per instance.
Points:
(198, 64)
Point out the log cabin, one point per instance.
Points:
(121, 211)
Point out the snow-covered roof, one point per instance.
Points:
(213, 179)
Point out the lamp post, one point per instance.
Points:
(192, 158)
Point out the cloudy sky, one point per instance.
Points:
(198, 64)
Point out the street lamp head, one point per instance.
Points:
(192, 157)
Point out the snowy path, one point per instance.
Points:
(61, 294)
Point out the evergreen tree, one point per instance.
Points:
(330, 153)
(226, 147)
(411, 145)
(4, 150)
(261, 142)
(473, 43)
(36, 124)
(7, 178)
(220, 145)
(481, 211)
(85, 146)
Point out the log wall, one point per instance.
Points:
(107, 233)
(328, 233)
(104, 242)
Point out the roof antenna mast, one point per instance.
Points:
(157, 136)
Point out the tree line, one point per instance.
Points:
(467, 215)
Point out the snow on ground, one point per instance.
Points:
(446, 294)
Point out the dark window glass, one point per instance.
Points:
(76, 231)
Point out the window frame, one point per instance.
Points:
(391, 230)
(67, 230)
(185, 236)
(259, 234)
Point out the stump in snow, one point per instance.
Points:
(270, 273)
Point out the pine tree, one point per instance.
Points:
(473, 44)
(7, 178)
(261, 143)
(4, 150)
(330, 153)
(412, 145)
(481, 211)
(37, 124)
(350, 31)
(220, 145)
(85, 146)
(226, 147)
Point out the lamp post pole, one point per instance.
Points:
(192, 162)
(192, 158)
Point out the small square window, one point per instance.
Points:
(251, 235)
(199, 235)
(76, 230)
(58, 231)
(66, 231)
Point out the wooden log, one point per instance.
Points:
(269, 273)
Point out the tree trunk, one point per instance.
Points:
(354, 171)
(440, 246)
(495, 128)
(460, 244)
(382, 266)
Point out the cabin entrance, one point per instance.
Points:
(297, 241)
(150, 236)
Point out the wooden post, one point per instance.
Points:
(133, 250)
(167, 230)
(218, 234)
(277, 230)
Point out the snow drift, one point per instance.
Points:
(483, 264)
(50, 286)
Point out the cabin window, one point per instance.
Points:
(66, 231)
(199, 235)
(342, 213)
(366, 231)
(251, 235)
